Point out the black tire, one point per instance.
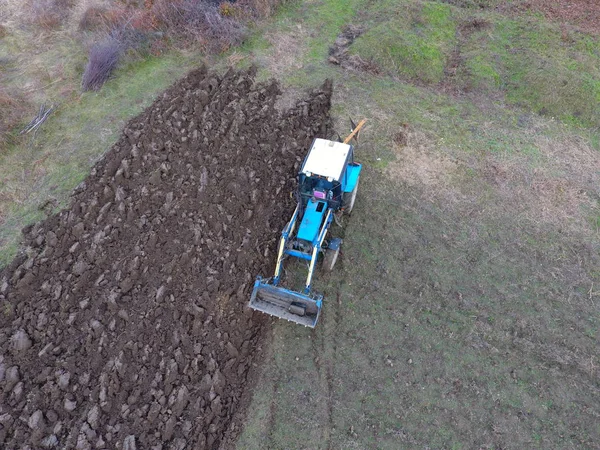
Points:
(331, 257)
(350, 198)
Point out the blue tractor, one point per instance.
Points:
(328, 182)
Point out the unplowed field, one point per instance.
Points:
(123, 324)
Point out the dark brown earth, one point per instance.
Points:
(124, 323)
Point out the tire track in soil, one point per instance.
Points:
(124, 319)
(326, 371)
(273, 413)
(319, 350)
(274, 404)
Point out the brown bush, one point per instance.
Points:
(103, 58)
(200, 22)
(97, 18)
(3, 31)
(144, 20)
(94, 18)
(158, 47)
(261, 8)
(49, 14)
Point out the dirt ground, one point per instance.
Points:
(584, 14)
(123, 324)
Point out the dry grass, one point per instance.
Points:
(95, 18)
(557, 185)
(585, 14)
(49, 14)
(12, 112)
(541, 196)
(418, 162)
(287, 51)
(264, 8)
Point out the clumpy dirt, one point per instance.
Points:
(124, 323)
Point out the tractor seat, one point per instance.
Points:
(319, 194)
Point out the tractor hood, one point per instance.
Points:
(312, 220)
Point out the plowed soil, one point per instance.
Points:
(124, 323)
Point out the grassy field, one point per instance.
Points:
(465, 311)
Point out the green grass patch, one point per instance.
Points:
(536, 67)
(529, 61)
(414, 39)
(329, 18)
(17, 217)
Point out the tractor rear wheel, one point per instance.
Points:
(331, 256)
(350, 198)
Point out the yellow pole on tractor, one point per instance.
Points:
(355, 131)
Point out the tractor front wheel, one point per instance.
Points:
(350, 198)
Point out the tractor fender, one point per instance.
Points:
(335, 243)
(352, 174)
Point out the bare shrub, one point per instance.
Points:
(103, 58)
(200, 21)
(134, 41)
(224, 30)
(261, 8)
(94, 18)
(144, 20)
(49, 14)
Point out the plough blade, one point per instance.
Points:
(285, 304)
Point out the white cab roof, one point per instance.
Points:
(327, 159)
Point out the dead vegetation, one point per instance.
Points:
(555, 186)
(201, 22)
(103, 58)
(118, 31)
(148, 27)
(584, 14)
(213, 26)
(49, 14)
(12, 111)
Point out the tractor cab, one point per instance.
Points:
(320, 184)
(323, 175)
